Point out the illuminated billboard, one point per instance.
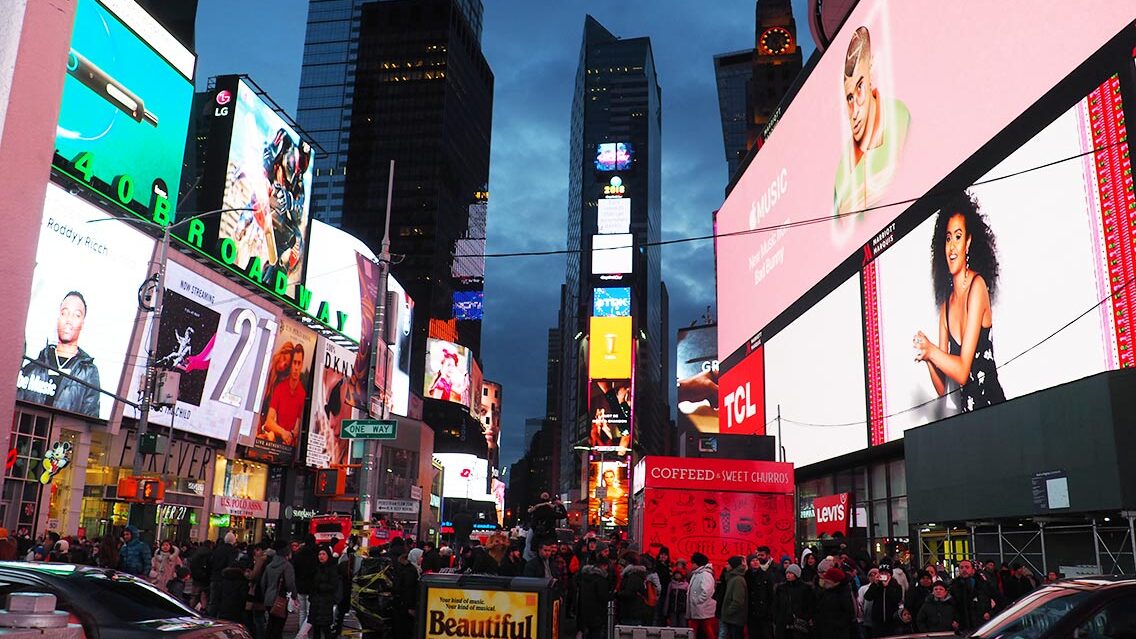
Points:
(332, 270)
(269, 171)
(334, 365)
(613, 215)
(125, 107)
(283, 412)
(219, 340)
(468, 305)
(476, 378)
(447, 372)
(609, 406)
(612, 254)
(867, 129)
(609, 348)
(83, 308)
(696, 366)
(608, 492)
(611, 302)
(400, 349)
(491, 414)
(614, 156)
(464, 476)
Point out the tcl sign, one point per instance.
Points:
(741, 396)
(831, 514)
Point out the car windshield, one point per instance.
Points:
(115, 598)
(1034, 614)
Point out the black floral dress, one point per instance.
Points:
(982, 387)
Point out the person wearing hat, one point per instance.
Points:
(938, 613)
(887, 597)
(700, 598)
(793, 603)
(759, 592)
(834, 616)
(735, 605)
(233, 590)
(224, 555)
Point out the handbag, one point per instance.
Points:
(799, 625)
(280, 604)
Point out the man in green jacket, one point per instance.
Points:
(735, 604)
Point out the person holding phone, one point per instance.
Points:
(887, 598)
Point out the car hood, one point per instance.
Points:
(191, 627)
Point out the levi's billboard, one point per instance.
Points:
(878, 132)
(831, 514)
(715, 474)
(741, 396)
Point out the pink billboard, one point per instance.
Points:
(905, 93)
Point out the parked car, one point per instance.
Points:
(113, 605)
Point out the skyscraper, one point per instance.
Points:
(613, 305)
(733, 71)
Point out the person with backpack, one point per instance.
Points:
(632, 594)
(200, 573)
(654, 587)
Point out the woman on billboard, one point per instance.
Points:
(964, 275)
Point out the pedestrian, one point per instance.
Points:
(539, 566)
(833, 616)
(634, 607)
(938, 613)
(304, 560)
(793, 604)
(916, 597)
(735, 605)
(664, 570)
(254, 599)
(223, 556)
(654, 588)
(886, 597)
(233, 590)
(279, 578)
(759, 594)
(178, 587)
(809, 572)
(134, 556)
(700, 598)
(7, 546)
(107, 554)
(674, 605)
(543, 519)
(60, 552)
(326, 592)
(165, 564)
(974, 597)
(404, 599)
(592, 594)
(200, 572)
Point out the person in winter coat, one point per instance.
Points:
(279, 577)
(134, 556)
(974, 597)
(304, 560)
(886, 597)
(833, 616)
(937, 614)
(326, 592)
(793, 603)
(405, 596)
(759, 594)
(675, 598)
(735, 605)
(233, 590)
(164, 566)
(7, 546)
(916, 597)
(632, 593)
(700, 598)
(592, 588)
(664, 570)
(809, 573)
(223, 556)
(653, 581)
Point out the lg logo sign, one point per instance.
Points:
(741, 395)
(224, 97)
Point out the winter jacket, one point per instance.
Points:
(735, 606)
(404, 589)
(199, 569)
(224, 555)
(164, 567)
(592, 588)
(70, 395)
(886, 601)
(234, 593)
(535, 567)
(700, 593)
(792, 600)
(7, 550)
(916, 597)
(544, 518)
(134, 557)
(936, 615)
(675, 602)
(759, 593)
(326, 592)
(305, 561)
(277, 566)
(833, 616)
(633, 608)
(973, 599)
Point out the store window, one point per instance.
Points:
(60, 517)
(243, 480)
(897, 478)
(399, 471)
(22, 488)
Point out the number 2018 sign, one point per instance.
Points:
(219, 340)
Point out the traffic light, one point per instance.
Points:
(330, 482)
(141, 489)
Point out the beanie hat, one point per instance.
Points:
(787, 558)
(834, 574)
(62, 545)
(735, 561)
(750, 557)
(793, 569)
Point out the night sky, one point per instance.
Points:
(533, 49)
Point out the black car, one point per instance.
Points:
(113, 605)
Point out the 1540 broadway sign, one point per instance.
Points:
(492, 614)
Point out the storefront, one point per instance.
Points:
(239, 505)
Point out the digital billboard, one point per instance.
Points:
(608, 492)
(613, 215)
(334, 365)
(468, 305)
(357, 392)
(401, 348)
(614, 156)
(220, 341)
(491, 414)
(476, 378)
(125, 107)
(696, 366)
(269, 171)
(281, 419)
(464, 476)
(612, 254)
(609, 406)
(867, 129)
(83, 308)
(609, 348)
(447, 372)
(611, 302)
(332, 270)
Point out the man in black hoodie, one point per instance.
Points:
(224, 555)
(759, 589)
(305, 562)
(886, 597)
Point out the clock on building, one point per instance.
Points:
(776, 41)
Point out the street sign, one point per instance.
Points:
(397, 506)
(368, 429)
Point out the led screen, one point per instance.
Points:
(401, 348)
(697, 370)
(609, 348)
(447, 372)
(464, 476)
(126, 103)
(83, 307)
(475, 381)
(611, 302)
(334, 365)
(491, 414)
(1031, 254)
(283, 412)
(613, 215)
(332, 272)
(609, 406)
(611, 478)
(868, 129)
(270, 172)
(614, 156)
(468, 305)
(611, 254)
(220, 341)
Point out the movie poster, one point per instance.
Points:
(281, 417)
(334, 367)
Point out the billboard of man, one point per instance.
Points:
(44, 385)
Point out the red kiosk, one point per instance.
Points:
(719, 507)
